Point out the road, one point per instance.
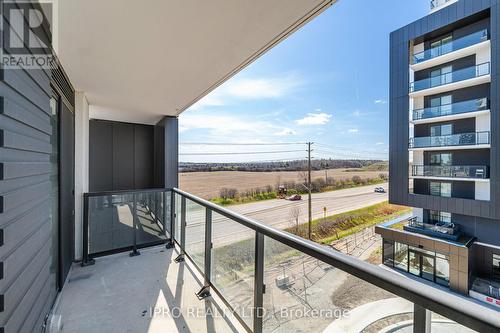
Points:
(277, 213)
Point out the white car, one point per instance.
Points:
(379, 190)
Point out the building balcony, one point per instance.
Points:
(439, 4)
(222, 271)
(443, 229)
(452, 111)
(455, 49)
(472, 173)
(455, 141)
(458, 79)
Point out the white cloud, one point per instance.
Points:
(314, 119)
(285, 132)
(380, 144)
(249, 88)
(353, 130)
(380, 101)
(356, 113)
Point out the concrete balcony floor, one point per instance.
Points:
(138, 294)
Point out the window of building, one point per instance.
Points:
(496, 266)
(445, 159)
(401, 256)
(441, 76)
(440, 189)
(442, 130)
(388, 252)
(442, 46)
(439, 217)
(442, 269)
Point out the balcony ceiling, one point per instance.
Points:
(140, 60)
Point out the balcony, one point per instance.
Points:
(451, 111)
(455, 45)
(249, 276)
(443, 230)
(458, 79)
(451, 172)
(454, 141)
(438, 4)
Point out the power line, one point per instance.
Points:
(242, 153)
(241, 144)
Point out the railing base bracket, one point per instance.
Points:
(179, 259)
(88, 262)
(169, 245)
(203, 293)
(134, 253)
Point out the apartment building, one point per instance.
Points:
(444, 136)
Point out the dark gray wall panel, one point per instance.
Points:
(166, 152)
(121, 156)
(25, 255)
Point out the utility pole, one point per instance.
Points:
(309, 145)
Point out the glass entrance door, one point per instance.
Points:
(422, 265)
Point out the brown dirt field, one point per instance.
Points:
(208, 184)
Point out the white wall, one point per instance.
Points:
(418, 213)
(418, 157)
(483, 123)
(81, 165)
(418, 48)
(483, 191)
(483, 55)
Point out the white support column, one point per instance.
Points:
(81, 165)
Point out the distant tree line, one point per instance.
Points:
(297, 165)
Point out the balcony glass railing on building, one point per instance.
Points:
(439, 229)
(454, 45)
(450, 171)
(474, 105)
(451, 77)
(463, 139)
(265, 277)
(438, 3)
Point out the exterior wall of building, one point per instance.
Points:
(27, 132)
(453, 17)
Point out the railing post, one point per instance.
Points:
(134, 252)
(86, 260)
(180, 257)
(173, 216)
(422, 319)
(205, 291)
(259, 287)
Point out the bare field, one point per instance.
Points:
(208, 184)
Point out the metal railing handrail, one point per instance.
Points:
(452, 306)
(121, 192)
(448, 109)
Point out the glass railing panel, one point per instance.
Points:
(451, 109)
(110, 220)
(454, 45)
(233, 265)
(455, 76)
(463, 139)
(150, 226)
(477, 172)
(195, 232)
(168, 212)
(303, 294)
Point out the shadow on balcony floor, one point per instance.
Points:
(148, 293)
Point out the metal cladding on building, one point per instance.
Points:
(444, 134)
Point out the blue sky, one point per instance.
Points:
(326, 83)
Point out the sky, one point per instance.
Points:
(327, 83)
